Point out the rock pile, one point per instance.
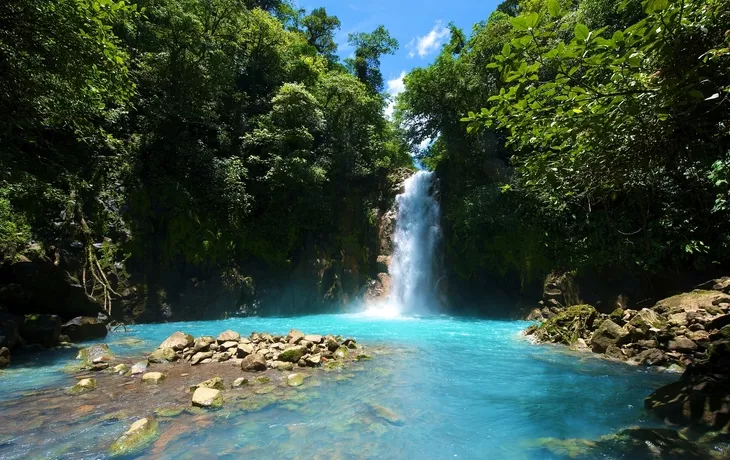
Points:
(256, 353)
(676, 332)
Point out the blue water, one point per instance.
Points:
(464, 388)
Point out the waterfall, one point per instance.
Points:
(416, 238)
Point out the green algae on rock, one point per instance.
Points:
(95, 354)
(139, 435)
(567, 326)
(215, 383)
(153, 378)
(82, 386)
(208, 398)
(294, 380)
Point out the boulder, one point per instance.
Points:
(682, 344)
(229, 344)
(608, 334)
(83, 328)
(294, 380)
(139, 435)
(718, 323)
(41, 329)
(292, 354)
(178, 341)
(699, 399)
(244, 349)
(215, 383)
(95, 354)
(199, 357)
(163, 355)
(82, 386)
(208, 398)
(229, 335)
(253, 363)
(313, 360)
(9, 335)
(650, 357)
(690, 301)
(4, 357)
(567, 326)
(282, 365)
(313, 338)
(294, 336)
(153, 378)
(331, 343)
(202, 344)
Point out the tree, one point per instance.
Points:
(319, 29)
(369, 47)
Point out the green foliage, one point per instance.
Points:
(369, 47)
(189, 138)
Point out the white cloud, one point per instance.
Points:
(394, 88)
(432, 41)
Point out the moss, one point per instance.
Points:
(567, 326)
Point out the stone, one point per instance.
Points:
(139, 435)
(201, 356)
(41, 329)
(681, 343)
(718, 323)
(282, 365)
(178, 341)
(83, 386)
(153, 378)
(294, 380)
(163, 355)
(650, 357)
(699, 336)
(292, 354)
(301, 363)
(120, 369)
(138, 368)
(4, 357)
(95, 353)
(690, 301)
(215, 383)
(313, 360)
(614, 352)
(229, 344)
(83, 328)
(253, 363)
(294, 336)
(208, 398)
(228, 335)
(697, 399)
(364, 357)
(384, 413)
(244, 340)
(608, 334)
(331, 343)
(647, 343)
(244, 349)
(313, 338)
(678, 319)
(202, 344)
(261, 379)
(341, 353)
(239, 382)
(221, 357)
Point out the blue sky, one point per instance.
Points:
(420, 26)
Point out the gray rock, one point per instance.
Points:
(681, 343)
(202, 343)
(293, 354)
(313, 338)
(608, 334)
(178, 341)
(229, 335)
(163, 355)
(199, 357)
(253, 363)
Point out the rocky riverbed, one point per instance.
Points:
(688, 333)
(195, 379)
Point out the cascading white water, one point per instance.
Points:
(416, 237)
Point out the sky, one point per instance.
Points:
(420, 26)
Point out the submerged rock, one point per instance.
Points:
(341, 352)
(139, 435)
(215, 383)
(207, 397)
(294, 380)
(385, 414)
(82, 386)
(239, 382)
(95, 354)
(153, 378)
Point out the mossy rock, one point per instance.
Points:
(330, 366)
(341, 352)
(262, 379)
(170, 411)
(257, 403)
(82, 386)
(139, 435)
(98, 352)
(363, 357)
(567, 326)
(571, 448)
